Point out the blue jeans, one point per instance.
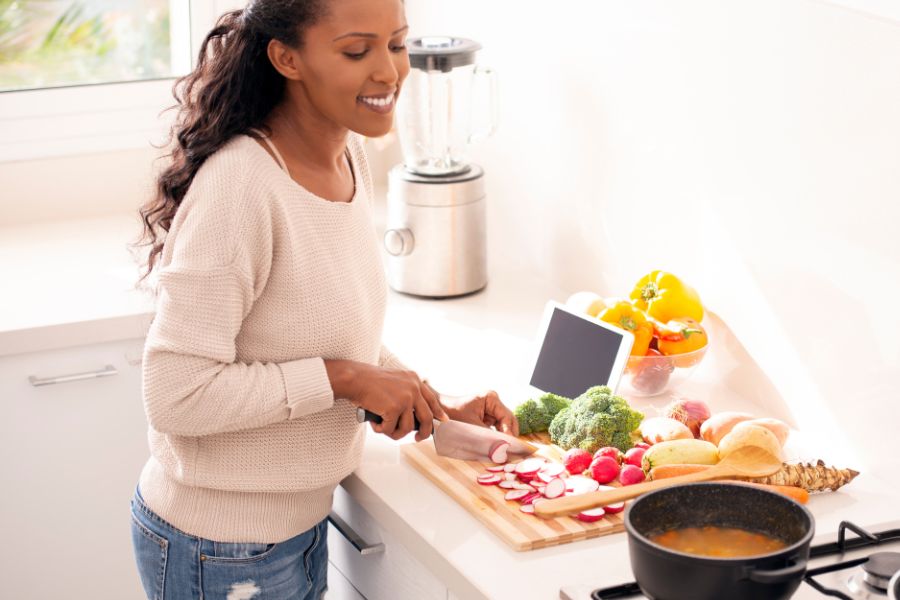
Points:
(176, 566)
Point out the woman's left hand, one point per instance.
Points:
(483, 409)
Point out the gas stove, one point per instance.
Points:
(858, 565)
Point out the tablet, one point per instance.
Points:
(576, 352)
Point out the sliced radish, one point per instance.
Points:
(551, 470)
(527, 509)
(523, 486)
(487, 476)
(498, 452)
(555, 488)
(496, 468)
(530, 465)
(591, 515)
(508, 485)
(493, 480)
(612, 508)
(509, 476)
(526, 477)
(530, 498)
(579, 484)
(509, 467)
(516, 494)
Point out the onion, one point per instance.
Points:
(690, 412)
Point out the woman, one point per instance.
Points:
(271, 299)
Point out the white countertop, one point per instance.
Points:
(71, 284)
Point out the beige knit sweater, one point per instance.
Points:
(259, 281)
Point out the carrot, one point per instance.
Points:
(794, 493)
(666, 471)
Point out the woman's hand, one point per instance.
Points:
(399, 397)
(484, 409)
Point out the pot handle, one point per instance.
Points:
(777, 575)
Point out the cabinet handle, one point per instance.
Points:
(106, 371)
(354, 538)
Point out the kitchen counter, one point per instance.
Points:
(76, 288)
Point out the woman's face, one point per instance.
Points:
(353, 62)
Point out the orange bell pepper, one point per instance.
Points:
(681, 336)
(625, 315)
(665, 297)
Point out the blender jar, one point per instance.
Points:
(447, 104)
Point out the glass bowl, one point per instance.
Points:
(652, 375)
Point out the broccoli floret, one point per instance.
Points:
(595, 419)
(534, 416)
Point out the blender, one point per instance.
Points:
(436, 237)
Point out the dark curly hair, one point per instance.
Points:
(231, 91)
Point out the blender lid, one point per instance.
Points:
(441, 53)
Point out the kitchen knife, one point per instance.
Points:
(464, 441)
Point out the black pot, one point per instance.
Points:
(665, 574)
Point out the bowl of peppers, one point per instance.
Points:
(664, 315)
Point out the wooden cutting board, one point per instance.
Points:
(487, 504)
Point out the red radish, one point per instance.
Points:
(527, 509)
(510, 467)
(634, 456)
(643, 445)
(498, 452)
(631, 474)
(508, 485)
(591, 515)
(488, 476)
(494, 480)
(516, 494)
(578, 484)
(576, 460)
(530, 498)
(496, 468)
(604, 469)
(529, 466)
(609, 451)
(555, 488)
(526, 477)
(612, 508)
(552, 470)
(517, 485)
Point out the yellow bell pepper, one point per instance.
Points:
(665, 297)
(625, 315)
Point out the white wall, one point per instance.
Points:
(752, 147)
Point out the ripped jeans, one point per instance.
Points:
(176, 566)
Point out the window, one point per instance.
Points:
(81, 76)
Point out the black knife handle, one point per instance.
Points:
(363, 415)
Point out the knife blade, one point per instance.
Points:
(464, 441)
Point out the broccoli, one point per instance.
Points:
(534, 416)
(595, 419)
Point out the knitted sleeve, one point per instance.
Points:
(215, 263)
(387, 359)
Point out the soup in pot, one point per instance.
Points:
(718, 542)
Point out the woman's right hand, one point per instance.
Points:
(398, 396)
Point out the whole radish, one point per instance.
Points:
(634, 456)
(611, 452)
(630, 475)
(577, 460)
(604, 469)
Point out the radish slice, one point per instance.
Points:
(508, 485)
(527, 509)
(555, 488)
(530, 465)
(494, 480)
(526, 477)
(551, 470)
(579, 484)
(591, 515)
(612, 508)
(498, 452)
(487, 476)
(523, 486)
(509, 476)
(530, 498)
(517, 494)
(509, 467)
(496, 468)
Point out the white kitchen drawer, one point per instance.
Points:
(339, 587)
(391, 574)
(72, 453)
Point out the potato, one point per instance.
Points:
(720, 424)
(664, 429)
(749, 434)
(779, 428)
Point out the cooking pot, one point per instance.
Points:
(665, 574)
(894, 587)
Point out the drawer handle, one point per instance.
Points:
(354, 538)
(106, 371)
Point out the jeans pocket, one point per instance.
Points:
(151, 554)
(238, 552)
(315, 559)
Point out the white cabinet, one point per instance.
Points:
(391, 572)
(72, 453)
